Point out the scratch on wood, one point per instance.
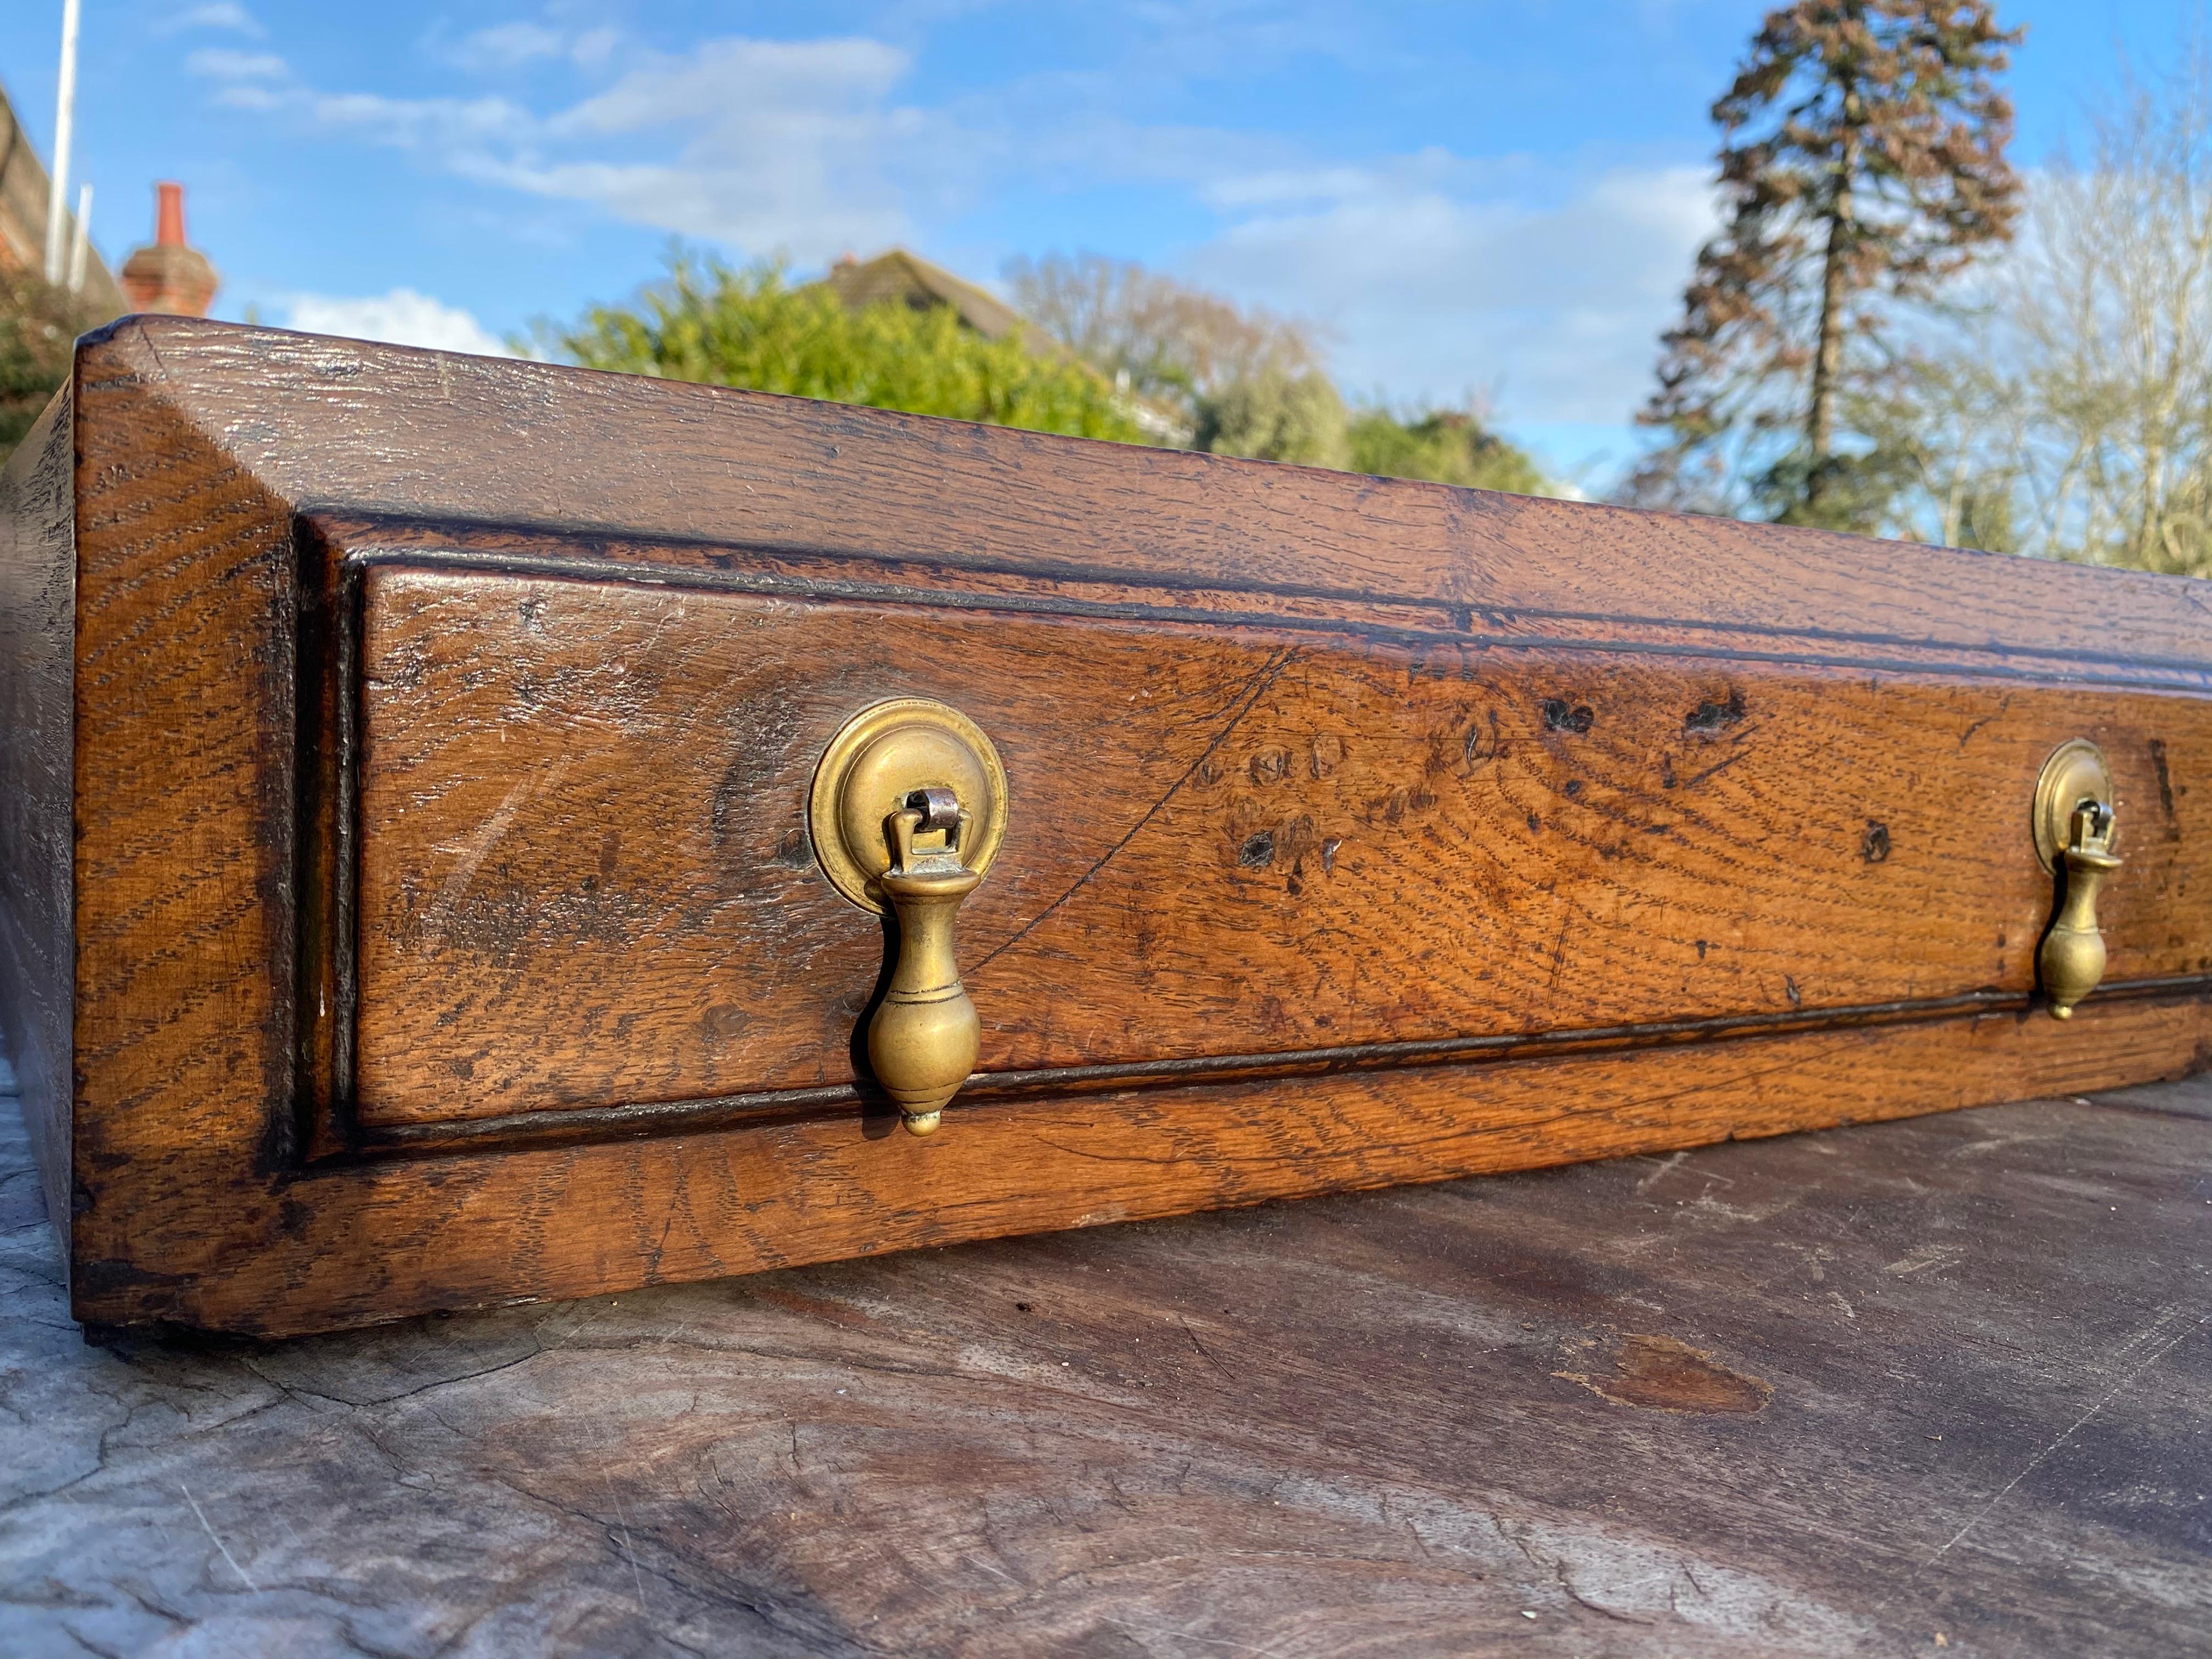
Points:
(2003, 703)
(2073, 1429)
(1567, 1583)
(1695, 779)
(629, 1553)
(1560, 950)
(1927, 1256)
(212, 1535)
(1265, 676)
(1185, 1636)
(479, 846)
(1203, 1352)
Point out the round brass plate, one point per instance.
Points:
(2075, 773)
(883, 754)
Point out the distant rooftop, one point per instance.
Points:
(899, 277)
(906, 279)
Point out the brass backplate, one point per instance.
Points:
(880, 757)
(2075, 773)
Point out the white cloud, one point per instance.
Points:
(781, 145)
(765, 146)
(593, 46)
(510, 46)
(801, 148)
(249, 98)
(221, 15)
(453, 127)
(402, 317)
(219, 64)
(1437, 289)
(514, 43)
(1439, 275)
(730, 81)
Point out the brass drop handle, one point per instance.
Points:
(2072, 959)
(922, 1041)
(2074, 821)
(907, 810)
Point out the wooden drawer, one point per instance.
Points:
(442, 921)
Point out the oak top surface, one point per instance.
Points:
(387, 448)
(1830, 1394)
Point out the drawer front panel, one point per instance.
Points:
(442, 927)
(582, 816)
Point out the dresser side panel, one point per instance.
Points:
(38, 593)
(185, 1034)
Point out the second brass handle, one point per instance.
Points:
(2074, 825)
(2072, 959)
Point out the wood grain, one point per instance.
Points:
(353, 432)
(38, 590)
(185, 1033)
(241, 499)
(1825, 1396)
(350, 1243)
(1225, 841)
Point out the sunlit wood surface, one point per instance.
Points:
(1935, 1385)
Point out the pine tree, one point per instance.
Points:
(1863, 163)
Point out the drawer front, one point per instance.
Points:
(585, 878)
(439, 923)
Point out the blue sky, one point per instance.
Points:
(1488, 200)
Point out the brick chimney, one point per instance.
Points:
(169, 276)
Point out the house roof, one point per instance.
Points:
(903, 279)
(906, 279)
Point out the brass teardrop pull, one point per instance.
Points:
(922, 1041)
(2074, 838)
(908, 808)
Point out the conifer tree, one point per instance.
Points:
(1863, 163)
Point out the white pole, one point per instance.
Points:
(64, 108)
(80, 244)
